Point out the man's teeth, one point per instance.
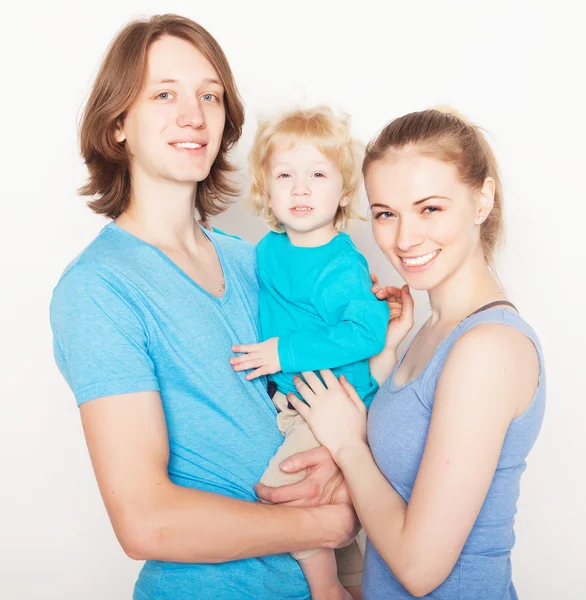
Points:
(190, 145)
(420, 260)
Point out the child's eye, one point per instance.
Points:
(164, 96)
(283, 176)
(319, 175)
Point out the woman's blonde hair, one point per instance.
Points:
(444, 134)
(331, 136)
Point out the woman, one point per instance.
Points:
(454, 420)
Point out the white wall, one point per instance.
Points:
(515, 68)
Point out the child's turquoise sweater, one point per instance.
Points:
(318, 302)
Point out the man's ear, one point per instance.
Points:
(119, 134)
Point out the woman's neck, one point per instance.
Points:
(473, 285)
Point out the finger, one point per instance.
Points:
(249, 364)
(408, 305)
(258, 373)
(313, 381)
(293, 494)
(306, 459)
(277, 495)
(299, 405)
(393, 291)
(352, 394)
(245, 348)
(329, 378)
(374, 279)
(236, 360)
(381, 294)
(304, 390)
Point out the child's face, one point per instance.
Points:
(305, 190)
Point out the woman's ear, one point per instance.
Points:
(485, 199)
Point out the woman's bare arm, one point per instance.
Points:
(489, 378)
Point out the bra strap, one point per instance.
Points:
(493, 304)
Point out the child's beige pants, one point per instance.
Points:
(298, 438)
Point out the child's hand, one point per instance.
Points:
(263, 357)
(333, 410)
(400, 304)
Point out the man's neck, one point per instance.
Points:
(162, 213)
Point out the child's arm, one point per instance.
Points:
(354, 327)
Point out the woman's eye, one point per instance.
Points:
(209, 97)
(164, 96)
(431, 209)
(384, 215)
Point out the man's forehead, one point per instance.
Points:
(172, 60)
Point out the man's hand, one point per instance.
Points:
(323, 483)
(263, 358)
(323, 487)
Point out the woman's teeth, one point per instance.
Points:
(420, 260)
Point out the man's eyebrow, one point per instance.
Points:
(206, 81)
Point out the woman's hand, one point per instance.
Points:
(401, 310)
(334, 411)
(262, 357)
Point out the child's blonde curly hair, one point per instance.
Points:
(331, 136)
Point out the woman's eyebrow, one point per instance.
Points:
(430, 198)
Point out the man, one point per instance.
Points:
(144, 320)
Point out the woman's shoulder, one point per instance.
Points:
(499, 355)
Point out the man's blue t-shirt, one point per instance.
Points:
(126, 319)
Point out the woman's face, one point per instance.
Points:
(425, 219)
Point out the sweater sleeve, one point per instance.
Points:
(354, 321)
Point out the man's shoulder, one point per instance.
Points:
(232, 245)
(103, 257)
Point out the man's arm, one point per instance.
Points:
(155, 519)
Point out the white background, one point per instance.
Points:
(515, 68)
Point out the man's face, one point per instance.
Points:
(173, 131)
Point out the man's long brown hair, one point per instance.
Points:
(120, 80)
